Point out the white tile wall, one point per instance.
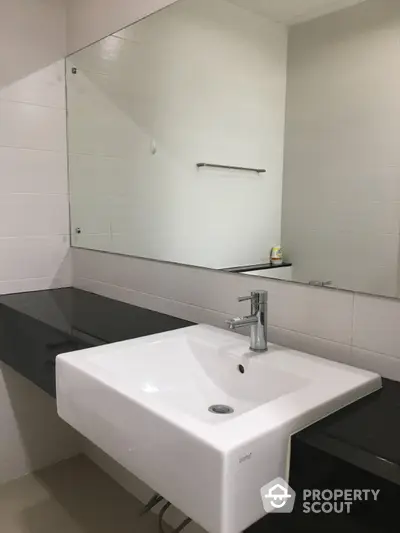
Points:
(42, 214)
(342, 326)
(24, 170)
(44, 87)
(91, 20)
(32, 126)
(34, 253)
(386, 366)
(34, 258)
(34, 212)
(376, 325)
(32, 36)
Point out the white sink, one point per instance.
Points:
(145, 402)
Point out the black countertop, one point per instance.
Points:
(365, 434)
(36, 326)
(74, 311)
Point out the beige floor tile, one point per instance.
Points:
(74, 496)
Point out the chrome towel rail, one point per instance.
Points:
(229, 167)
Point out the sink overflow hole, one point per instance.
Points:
(241, 369)
(221, 409)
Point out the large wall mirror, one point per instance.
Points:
(214, 130)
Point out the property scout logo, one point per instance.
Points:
(278, 497)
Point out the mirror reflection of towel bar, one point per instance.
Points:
(211, 165)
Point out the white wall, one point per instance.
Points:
(32, 35)
(34, 240)
(341, 217)
(91, 20)
(34, 218)
(33, 174)
(205, 81)
(34, 248)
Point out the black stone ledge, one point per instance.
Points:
(365, 434)
(253, 268)
(37, 326)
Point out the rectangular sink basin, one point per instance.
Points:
(201, 419)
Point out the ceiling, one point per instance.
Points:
(294, 11)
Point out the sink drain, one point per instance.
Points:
(221, 409)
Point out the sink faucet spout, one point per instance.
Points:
(257, 320)
(235, 323)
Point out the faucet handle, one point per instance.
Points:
(259, 296)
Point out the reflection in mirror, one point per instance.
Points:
(216, 130)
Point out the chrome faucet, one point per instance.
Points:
(257, 320)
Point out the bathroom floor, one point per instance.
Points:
(74, 496)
